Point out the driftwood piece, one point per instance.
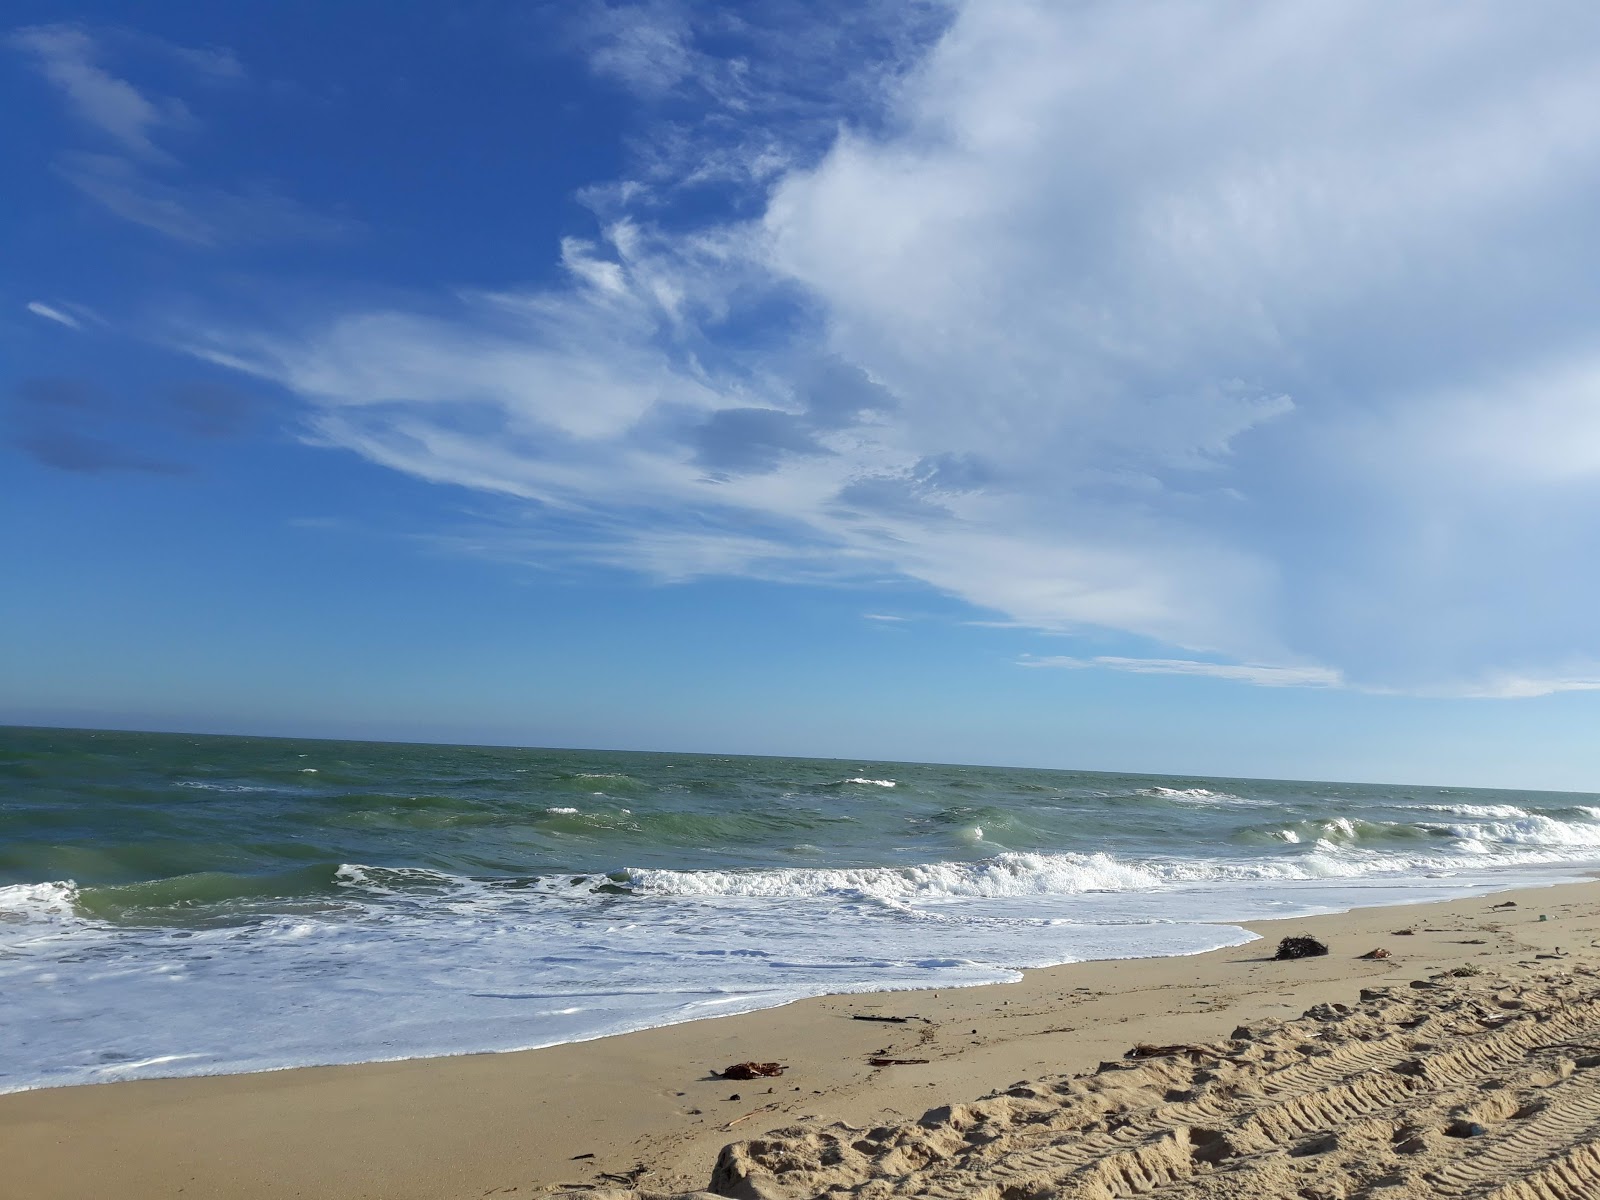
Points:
(896, 1062)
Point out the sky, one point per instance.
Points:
(1194, 389)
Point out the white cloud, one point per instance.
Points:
(139, 181)
(40, 309)
(742, 93)
(1260, 331)
(194, 214)
(1494, 686)
(646, 47)
(68, 57)
(1522, 687)
(1254, 673)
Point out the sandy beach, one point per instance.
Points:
(1501, 990)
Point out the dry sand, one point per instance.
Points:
(1425, 1083)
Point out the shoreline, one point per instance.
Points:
(1399, 891)
(520, 1122)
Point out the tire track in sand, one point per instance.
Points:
(1439, 1089)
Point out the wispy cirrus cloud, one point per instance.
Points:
(1253, 673)
(1491, 686)
(195, 214)
(138, 179)
(738, 95)
(50, 313)
(1209, 326)
(69, 57)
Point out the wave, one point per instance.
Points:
(1329, 850)
(1476, 810)
(1023, 874)
(1194, 795)
(225, 787)
(38, 903)
(861, 779)
(1531, 830)
(597, 782)
(157, 901)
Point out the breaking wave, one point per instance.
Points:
(1475, 810)
(1195, 795)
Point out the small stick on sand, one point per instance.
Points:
(748, 1115)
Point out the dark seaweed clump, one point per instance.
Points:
(1300, 947)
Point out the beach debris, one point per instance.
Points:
(752, 1070)
(871, 1017)
(896, 1062)
(1506, 904)
(579, 1157)
(754, 1112)
(1300, 947)
(736, 1096)
(1544, 916)
(1402, 933)
(1146, 1050)
(631, 1176)
(1380, 952)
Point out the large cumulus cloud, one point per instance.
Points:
(1260, 331)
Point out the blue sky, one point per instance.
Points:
(1179, 388)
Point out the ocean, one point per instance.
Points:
(176, 904)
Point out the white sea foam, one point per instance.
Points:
(222, 787)
(479, 965)
(885, 783)
(1196, 795)
(1532, 830)
(1013, 875)
(37, 903)
(561, 811)
(1016, 875)
(1475, 810)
